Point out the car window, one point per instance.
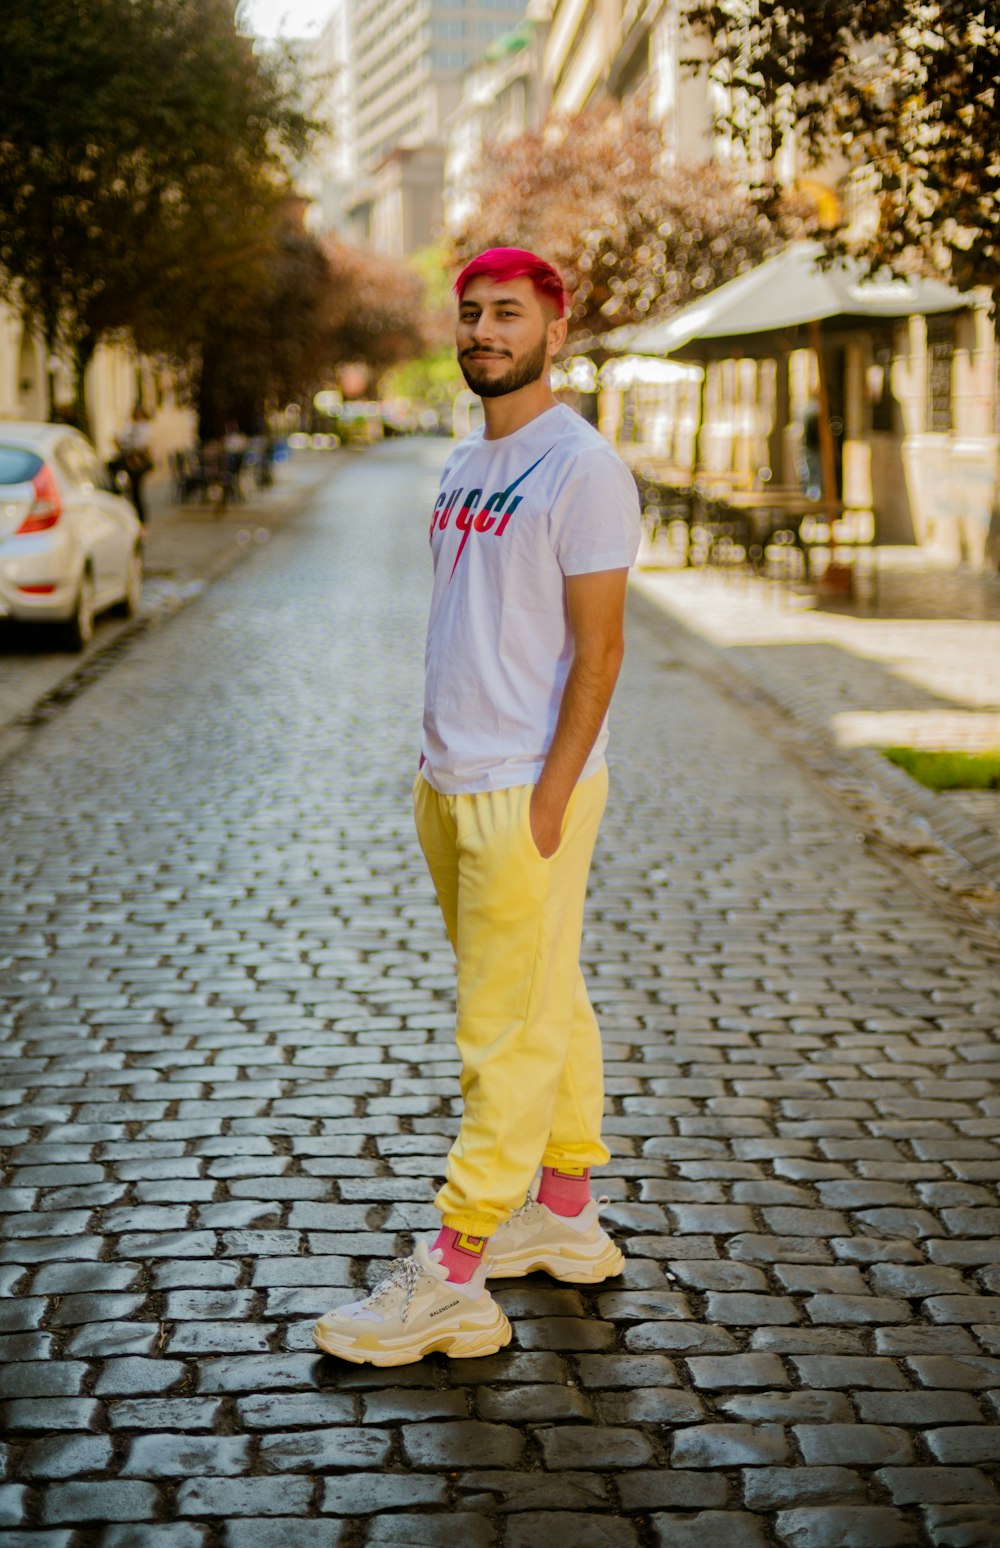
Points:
(18, 465)
(78, 462)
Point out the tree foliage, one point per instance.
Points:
(265, 340)
(375, 309)
(906, 88)
(631, 236)
(142, 147)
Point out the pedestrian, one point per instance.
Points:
(532, 536)
(134, 457)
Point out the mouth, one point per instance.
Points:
(483, 354)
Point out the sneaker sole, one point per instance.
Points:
(570, 1271)
(460, 1344)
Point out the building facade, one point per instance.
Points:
(503, 96)
(410, 60)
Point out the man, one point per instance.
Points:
(533, 533)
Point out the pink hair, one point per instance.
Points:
(505, 263)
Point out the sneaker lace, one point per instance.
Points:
(404, 1274)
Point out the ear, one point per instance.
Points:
(556, 335)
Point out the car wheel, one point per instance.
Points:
(131, 602)
(80, 628)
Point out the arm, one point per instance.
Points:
(595, 604)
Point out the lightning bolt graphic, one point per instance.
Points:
(501, 499)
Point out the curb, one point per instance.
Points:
(954, 853)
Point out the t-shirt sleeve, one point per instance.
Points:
(594, 519)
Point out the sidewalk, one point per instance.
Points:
(921, 668)
(186, 547)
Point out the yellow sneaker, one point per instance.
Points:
(573, 1248)
(415, 1310)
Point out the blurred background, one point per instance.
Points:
(245, 222)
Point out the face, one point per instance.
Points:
(505, 336)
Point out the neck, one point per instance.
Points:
(515, 409)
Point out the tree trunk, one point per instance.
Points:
(83, 354)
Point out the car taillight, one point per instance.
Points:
(46, 508)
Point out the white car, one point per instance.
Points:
(70, 547)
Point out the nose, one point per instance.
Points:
(482, 333)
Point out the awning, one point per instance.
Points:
(781, 295)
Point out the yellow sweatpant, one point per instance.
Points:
(532, 1069)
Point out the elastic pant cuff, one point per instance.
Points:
(471, 1225)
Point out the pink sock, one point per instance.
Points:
(565, 1190)
(461, 1254)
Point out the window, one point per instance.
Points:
(18, 466)
(940, 349)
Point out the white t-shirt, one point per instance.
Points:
(513, 518)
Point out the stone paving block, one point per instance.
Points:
(466, 1443)
(269, 1411)
(730, 1445)
(651, 1405)
(406, 1531)
(735, 1528)
(965, 1444)
(856, 1308)
(13, 1503)
(273, 1532)
(937, 1485)
(102, 1340)
(775, 1488)
(65, 1456)
(175, 1534)
(849, 1371)
(862, 1445)
(32, 1378)
(672, 1489)
(180, 1413)
(722, 1372)
(789, 1407)
(113, 1499)
(923, 1408)
(746, 1310)
(962, 1526)
(368, 1494)
(627, 1370)
(224, 1497)
(681, 1337)
(512, 1492)
(955, 1371)
(253, 1373)
(922, 1339)
(844, 1526)
(180, 1456)
(305, 1449)
(56, 1413)
(963, 1308)
(600, 1447)
(566, 1529)
(519, 1405)
(565, 1333)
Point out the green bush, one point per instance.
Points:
(948, 770)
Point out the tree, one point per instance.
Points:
(906, 88)
(375, 309)
(267, 339)
(142, 143)
(631, 237)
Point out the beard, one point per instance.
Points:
(527, 368)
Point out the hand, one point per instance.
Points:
(545, 819)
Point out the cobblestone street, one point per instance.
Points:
(230, 1081)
